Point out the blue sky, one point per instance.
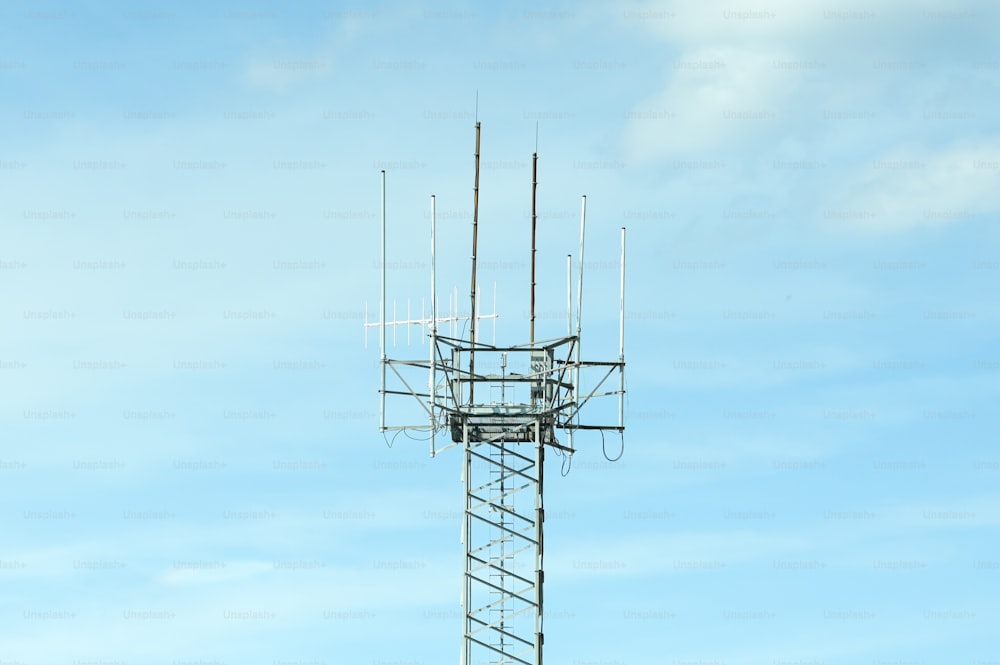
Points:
(190, 467)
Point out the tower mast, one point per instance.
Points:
(503, 420)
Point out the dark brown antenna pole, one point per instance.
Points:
(534, 226)
(475, 236)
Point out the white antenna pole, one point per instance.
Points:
(569, 294)
(433, 344)
(621, 338)
(494, 313)
(579, 299)
(381, 318)
(579, 288)
(579, 304)
(621, 304)
(433, 269)
(569, 321)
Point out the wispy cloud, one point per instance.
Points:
(904, 189)
(764, 76)
(715, 96)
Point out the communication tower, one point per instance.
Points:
(470, 397)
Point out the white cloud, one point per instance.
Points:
(770, 72)
(715, 96)
(792, 23)
(725, 21)
(906, 189)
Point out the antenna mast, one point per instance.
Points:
(503, 417)
(534, 227)
(381, 314)
(475, 237)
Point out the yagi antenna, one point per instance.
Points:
(453, 317)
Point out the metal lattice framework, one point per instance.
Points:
(504, 406)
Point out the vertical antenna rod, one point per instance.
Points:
(621, 338)
(579, 288)
(381, 317)
(433, 344)
(534, 226)
(472, 293)
(569, 294)
(579, 299)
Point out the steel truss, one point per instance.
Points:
(503, 419)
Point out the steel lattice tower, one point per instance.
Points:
(503, 405)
